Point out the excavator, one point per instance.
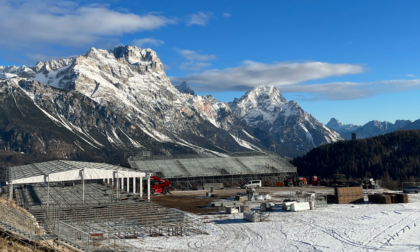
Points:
(160, 186)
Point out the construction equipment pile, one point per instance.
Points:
(349, 195)
(388, 198)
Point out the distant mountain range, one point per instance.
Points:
(372, 128)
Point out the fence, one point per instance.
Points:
(90, 240)
(18, 223)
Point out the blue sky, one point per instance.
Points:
(353, 60)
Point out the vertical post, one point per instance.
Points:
(83, 185)
(148, 187)
(122, 183)
(48, 192)
(134, 185)
(117, 185)
(141, 188)
(128, 184)
(11, 192)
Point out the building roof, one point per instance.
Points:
(195, 166)
(64, 170)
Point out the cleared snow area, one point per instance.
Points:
(362, 227)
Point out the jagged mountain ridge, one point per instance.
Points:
(340, 127)
(131, 103)
(265, 108)
(370, 129)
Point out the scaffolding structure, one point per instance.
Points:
(192, 171)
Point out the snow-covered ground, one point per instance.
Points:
(362, 227)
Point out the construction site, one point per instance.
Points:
(163, 204)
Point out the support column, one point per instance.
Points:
(83, 186)
(48, 196)
(11, 191)
(134, 185)
(117, 187)
(128, 184)
(122, 183)
(148, 187)
(141, 188)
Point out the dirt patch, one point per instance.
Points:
(188, 203)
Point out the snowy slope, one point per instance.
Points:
(347, 227)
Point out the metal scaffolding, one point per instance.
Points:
(192, 171)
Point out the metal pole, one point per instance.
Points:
(141, 188)
(48, 192)
(148, 187)
(83, 186)
(11, 192)
(134, 185)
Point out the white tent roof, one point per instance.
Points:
(63, 170)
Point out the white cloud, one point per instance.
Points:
(193, 55)
(199, 18)
(147, 41)
(66, 23)
(194, 66)
(166, 67)
(252, 74)
(226, 14)
(351, 90)
(411, 75)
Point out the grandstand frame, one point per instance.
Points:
(193, 171)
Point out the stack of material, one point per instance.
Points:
(255, 216)
(380, 198)
(398, 197)
(348, 195)
(402, 198)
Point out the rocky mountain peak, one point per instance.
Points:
(184, 88)
(334, 123)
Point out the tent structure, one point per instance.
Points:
(64, 170)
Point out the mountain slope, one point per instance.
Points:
(265, 108)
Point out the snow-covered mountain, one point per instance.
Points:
(340, 127)
(122, 99)
(264, 107)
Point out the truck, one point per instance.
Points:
(160, 186)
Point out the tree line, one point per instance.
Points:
(392, 158)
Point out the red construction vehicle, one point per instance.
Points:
(294, 180)
(160, 186)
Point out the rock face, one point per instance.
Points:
(184, 88)
(370, 129)
(116, 101)
(265, 108)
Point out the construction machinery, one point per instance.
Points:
(160, 185)
(338, 180)
(294, 180)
